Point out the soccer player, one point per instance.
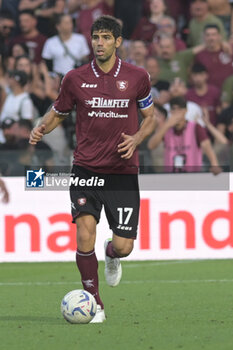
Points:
(106, 93)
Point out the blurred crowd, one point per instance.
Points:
(186, 47)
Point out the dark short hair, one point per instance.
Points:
(198, 68)
(24, 47)
(178, 101)
(58, 18)
(19, 58)
(7, 15)
(20, 76)
(27, 12)
(211, 26)
(25, 123)
(7, 123)
(107, 23)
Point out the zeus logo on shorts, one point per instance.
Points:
(122, 227)
(100, 102)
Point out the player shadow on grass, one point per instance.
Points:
(38, 319)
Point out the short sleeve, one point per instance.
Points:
(144, 98)
(65, 101)
(27, 109)
(46, 52)
(201, 134)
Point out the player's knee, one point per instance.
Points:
(85, 235)
(125, 249)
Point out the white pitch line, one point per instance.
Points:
(161, 263)
(9, 284)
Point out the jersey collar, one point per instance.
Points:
(113, 72)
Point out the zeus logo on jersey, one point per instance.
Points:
(92, 86)
(100, 102)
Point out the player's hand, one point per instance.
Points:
(175, 117)
(36, 134)
(128, 146)
(215, 170)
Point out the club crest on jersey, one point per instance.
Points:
(122, 85)
(82, 201)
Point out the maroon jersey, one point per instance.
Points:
(219, 65)
(211, 100)
(35, 45)
(106, 106)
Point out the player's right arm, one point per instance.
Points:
(48, 122)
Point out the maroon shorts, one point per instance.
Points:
(120, 199)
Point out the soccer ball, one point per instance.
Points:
(78, 306)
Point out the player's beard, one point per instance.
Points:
(103, 59)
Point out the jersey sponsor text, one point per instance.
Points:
(110, 114)
(100, 102)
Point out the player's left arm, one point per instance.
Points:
(131, 142)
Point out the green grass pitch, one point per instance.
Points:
(160, 305)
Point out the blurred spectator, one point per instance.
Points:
(43, 154)
(30, 35)
(67, 50)
(16, 51)
(204, 94)
(4, 192)
(19, 50)
(10, 131)
(227, 92)
(10, 6)
(16, 152)
(45, 11)
(129, 12)
(147, 26)
(213, 131)
(178, 88)
(138, 53)
(184, 142)
(159, 88)
(215, 58)
(172, 63)
(222, 9)
(157, 154)
(9, 150)
(179, 10)
(225, 123)
(7, 26)
(200, 18)
(89, 11)
(166, 25)
(39, 84)
(18, 104)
